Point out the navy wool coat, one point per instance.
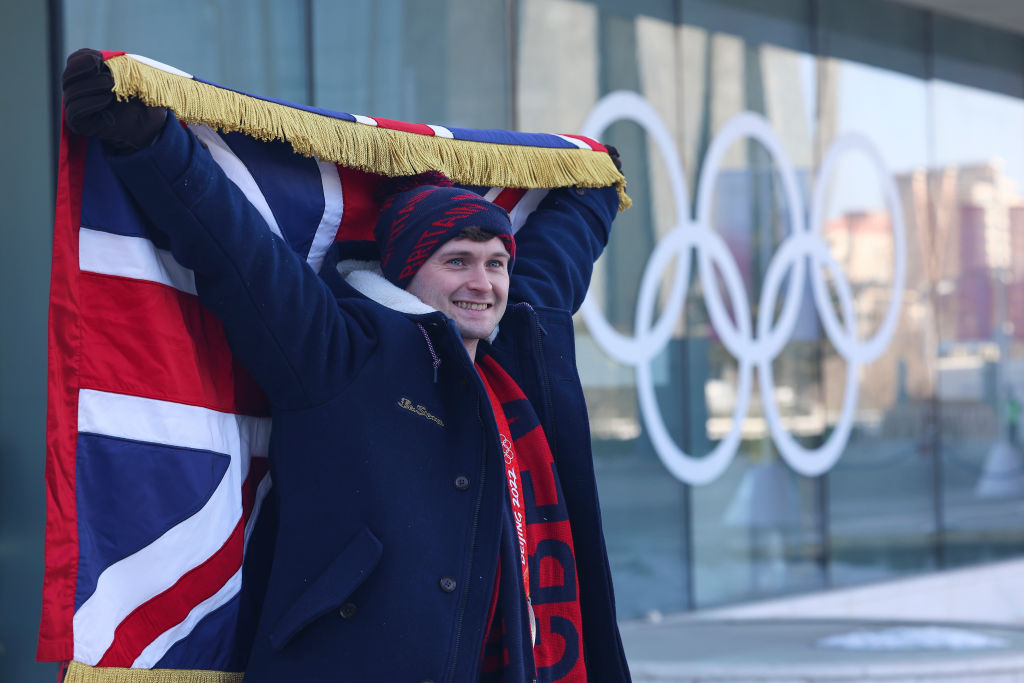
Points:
(390, 509)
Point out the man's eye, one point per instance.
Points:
(497, 264)
(455, 261)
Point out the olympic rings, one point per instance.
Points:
(802, 254)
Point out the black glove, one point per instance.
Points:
(614, 154)
(91, 108)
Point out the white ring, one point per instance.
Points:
(847, 344)
(629, 106)
(802, 254)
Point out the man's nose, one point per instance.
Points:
(478, 278)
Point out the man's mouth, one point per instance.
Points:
(470, 306)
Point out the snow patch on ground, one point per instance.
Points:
(913, 638)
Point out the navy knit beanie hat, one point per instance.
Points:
(422, 212)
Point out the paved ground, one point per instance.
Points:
(827, 650)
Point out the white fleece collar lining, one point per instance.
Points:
(368, 279)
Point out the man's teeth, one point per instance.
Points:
(471, 307)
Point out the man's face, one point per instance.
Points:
(468, 282)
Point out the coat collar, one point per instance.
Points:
(367, 279)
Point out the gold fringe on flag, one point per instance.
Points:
(83, 673)
(361, 146)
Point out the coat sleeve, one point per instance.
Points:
(557, 246)
(281, 321)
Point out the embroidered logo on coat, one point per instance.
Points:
(419, 410)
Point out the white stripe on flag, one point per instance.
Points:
(131, 257)
(441, 131)
(160, 65)
(364, 119)
(237, 172)
(156, 650)
(524, 207)
(174, 424)
(130, 582)
(575, 141)
(261, 493)
(333, 207)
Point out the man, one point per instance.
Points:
(436, 515)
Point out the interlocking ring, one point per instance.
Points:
(752, 348)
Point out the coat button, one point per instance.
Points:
(580, 191)
(447, 584)
(348, 610)
(462, 482)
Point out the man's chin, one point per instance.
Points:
(475, 331)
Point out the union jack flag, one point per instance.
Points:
(156, 438)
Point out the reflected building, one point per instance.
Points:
(971, 232)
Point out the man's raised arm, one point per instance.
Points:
(559, 244)
(280, 319)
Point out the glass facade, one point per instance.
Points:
(804, 349)
(924, 425)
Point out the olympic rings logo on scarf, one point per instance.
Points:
(753, 349)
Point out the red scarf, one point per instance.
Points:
(551, 569)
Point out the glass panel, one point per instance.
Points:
(433, 62)
(978, 172)
(570, 53)
(881, 502)
(256, 46)
(756, 529)
(428, 62)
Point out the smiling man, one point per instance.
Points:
(450, 248)
(435, 503)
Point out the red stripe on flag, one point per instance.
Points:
(107, 54)
(391, 124)
(360, 211)
(61, 553)
(594, 144)
(150, 619)
(509, 197)
(147, 339)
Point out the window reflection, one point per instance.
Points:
(643, 510)
(255, 47)
(755, 530)
(980, 360)
(881, 497)
(931, 473)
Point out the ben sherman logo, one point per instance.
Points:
(803, 254)
(419, 410)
